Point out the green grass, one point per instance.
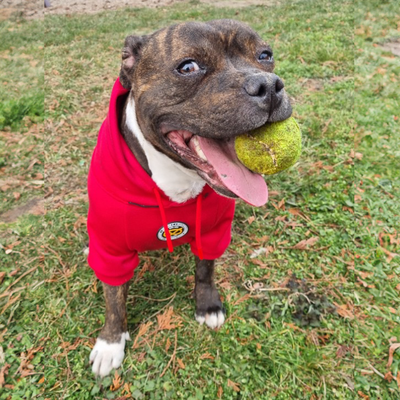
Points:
(327, 337)
(21, 112)
(377, 208)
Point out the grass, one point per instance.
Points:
(21, 112)
(326, 241)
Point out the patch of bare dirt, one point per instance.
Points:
(34, 207)
(93, 6)
(35, 9)
(21, 8)
(393, 46)
(313, 84)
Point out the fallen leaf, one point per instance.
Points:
(181, 364)
(389, 254)
(242, 299)
(365, 284)
(233, 385)
(143, 328)
(3, 373)
(306, 243)
(364, 396)
(25, 367)
(79, 222)
(67, 346)
(342, 351)
(167, 345)
(389, 377)
(250, 220)
(343, 311)
(206, 356)
(117, 382)
(220, 392)
(312, 337)
(3, 274)
(168, 320)
(392, 349)
(126, 390)
(365, 275)
(16, 195)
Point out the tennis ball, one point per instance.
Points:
(271, 148)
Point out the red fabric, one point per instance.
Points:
(164, 221)
(198, 228)
(124, 214)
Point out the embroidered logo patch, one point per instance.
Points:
(176, 230)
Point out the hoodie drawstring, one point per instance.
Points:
(198, 227)
(164, 221)
(165, 225)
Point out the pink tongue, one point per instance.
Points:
(247, 185)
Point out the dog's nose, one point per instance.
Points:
(264, 88)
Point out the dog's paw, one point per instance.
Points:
(213, 320)
(106, 356)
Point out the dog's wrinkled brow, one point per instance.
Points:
(194, 38)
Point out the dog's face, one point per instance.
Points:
(198, 85)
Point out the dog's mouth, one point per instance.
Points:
(216, 162)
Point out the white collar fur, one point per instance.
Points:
(177, 182)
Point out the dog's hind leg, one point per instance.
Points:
(108, 351)
(209, 308)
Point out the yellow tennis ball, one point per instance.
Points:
(271, 148)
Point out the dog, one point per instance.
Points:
(164, 171)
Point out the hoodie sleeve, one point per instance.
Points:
(109, 254)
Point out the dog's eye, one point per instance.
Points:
(188, 67)
(266, 56)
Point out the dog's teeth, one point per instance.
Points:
(198, 149)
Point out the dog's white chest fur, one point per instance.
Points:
(177, 182)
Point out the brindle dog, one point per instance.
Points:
(210, 81)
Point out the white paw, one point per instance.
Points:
(106, 356)
(213, 320)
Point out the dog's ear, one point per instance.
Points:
(130, 56)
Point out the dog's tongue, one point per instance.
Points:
(247, 185)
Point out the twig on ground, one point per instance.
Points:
(5, 294)
(151, 299)
(377, 372)
(9, 303)
(172, 357)
(22, 276)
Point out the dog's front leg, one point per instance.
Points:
(108, 351)
(209, 308)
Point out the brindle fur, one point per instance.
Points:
(116, 320)
(206, 295)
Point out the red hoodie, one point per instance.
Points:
(128, 213)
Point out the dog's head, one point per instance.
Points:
(198, 85)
